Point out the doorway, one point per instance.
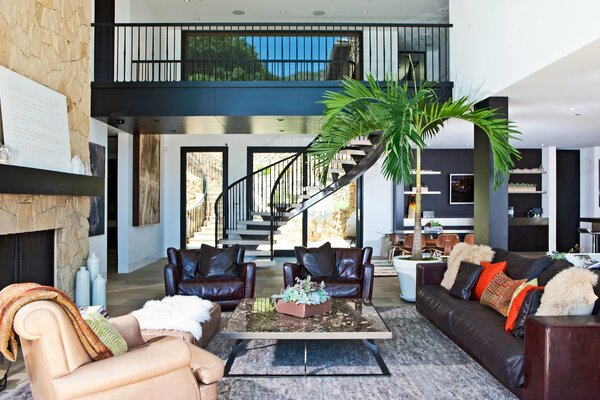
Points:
(203, 180)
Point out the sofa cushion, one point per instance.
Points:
(519, 267)
(499, 293)
(529, 307)
(213, 289)
(434, 302)
(319, 261)
(490, 270)
(465, 280)
(552, 270)
(336, 287)
(348, 262)
(215, 262)
(480, 331)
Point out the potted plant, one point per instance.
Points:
(407, 117)
(305, 299)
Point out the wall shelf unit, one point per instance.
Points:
(427, 172)
(428, 192)
(536, 192)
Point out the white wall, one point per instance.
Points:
(377, 207)
(590, 191)
(493, 44)
(549, 198)
(138, 245)
(98, 244)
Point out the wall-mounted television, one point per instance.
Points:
(461, 189)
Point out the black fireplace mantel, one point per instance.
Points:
(23, 180)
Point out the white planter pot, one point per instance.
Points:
(407, 276)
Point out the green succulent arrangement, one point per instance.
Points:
(303, 292)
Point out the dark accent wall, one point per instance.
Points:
(448, 161)
(567, 198)
(27, 257)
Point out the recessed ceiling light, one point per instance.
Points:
(318, 13)
(466, 144)
(280, 119)
(577, 114)
(572, 108)
(282, 12)
(238, 12)
(542, 145)
(364, 12)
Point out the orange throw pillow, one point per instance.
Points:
(487, 274)
(515, 307)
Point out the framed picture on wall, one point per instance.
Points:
(146, 180)
(462, 189)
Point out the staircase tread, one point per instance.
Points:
(256, 222)
(251, 232)
(245, 241)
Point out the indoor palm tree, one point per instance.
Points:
(408, 118)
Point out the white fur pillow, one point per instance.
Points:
(569, 289)
(472, 253)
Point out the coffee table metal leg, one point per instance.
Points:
(375, 350)
(305, 356)
(239, 345)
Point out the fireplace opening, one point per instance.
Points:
(27, 257)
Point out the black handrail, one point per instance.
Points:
(235, 191)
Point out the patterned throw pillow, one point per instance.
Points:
(499, 293)
(106, 333)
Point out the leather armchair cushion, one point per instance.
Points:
(215, 262)
(337, 287)
(467, 276)
(213, 289)
(319, 262)
(348, 262)
(188, 263)
(480, 330)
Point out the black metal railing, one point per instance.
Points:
(170, 52)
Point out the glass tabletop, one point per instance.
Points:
(348, 319)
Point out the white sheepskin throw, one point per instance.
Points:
(180, 313)
(569, 289)
(472, 253)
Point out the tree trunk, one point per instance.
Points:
(417, 247)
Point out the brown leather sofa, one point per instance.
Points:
(356, 274)
(558, 359)
(60, 368)
(226, 291)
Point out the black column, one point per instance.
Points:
(104, 42)
(491, 207)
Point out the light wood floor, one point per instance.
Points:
(128, 292)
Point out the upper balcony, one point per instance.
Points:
(253, 69)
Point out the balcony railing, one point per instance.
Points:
(269, 52)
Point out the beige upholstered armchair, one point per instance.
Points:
(60, 368)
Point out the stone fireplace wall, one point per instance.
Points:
(48, 41)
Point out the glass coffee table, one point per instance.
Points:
(350, 319)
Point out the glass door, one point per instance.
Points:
(203, 179)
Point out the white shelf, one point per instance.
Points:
(536, 192)
(427, 172)
(428, 192)
(527, 173)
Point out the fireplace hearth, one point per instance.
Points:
(27, 257)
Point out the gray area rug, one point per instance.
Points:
(423, 362)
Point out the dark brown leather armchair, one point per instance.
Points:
(183, 276)
(355, 274)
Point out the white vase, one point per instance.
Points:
(93, 266)
(82, 288)
(406, 269)
(99, 291)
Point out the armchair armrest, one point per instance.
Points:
(171, 279)
(559, 347)
(430, 273)
(291, 271)
(128, 327)
(247, 273)
(367, 281)
(142, 363)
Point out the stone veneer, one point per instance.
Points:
(48, 42)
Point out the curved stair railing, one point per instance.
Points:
(291, 195)
(197, 213)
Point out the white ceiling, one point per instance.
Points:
(289, 11)
(540, 105)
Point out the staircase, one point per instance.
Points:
(253, 209)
